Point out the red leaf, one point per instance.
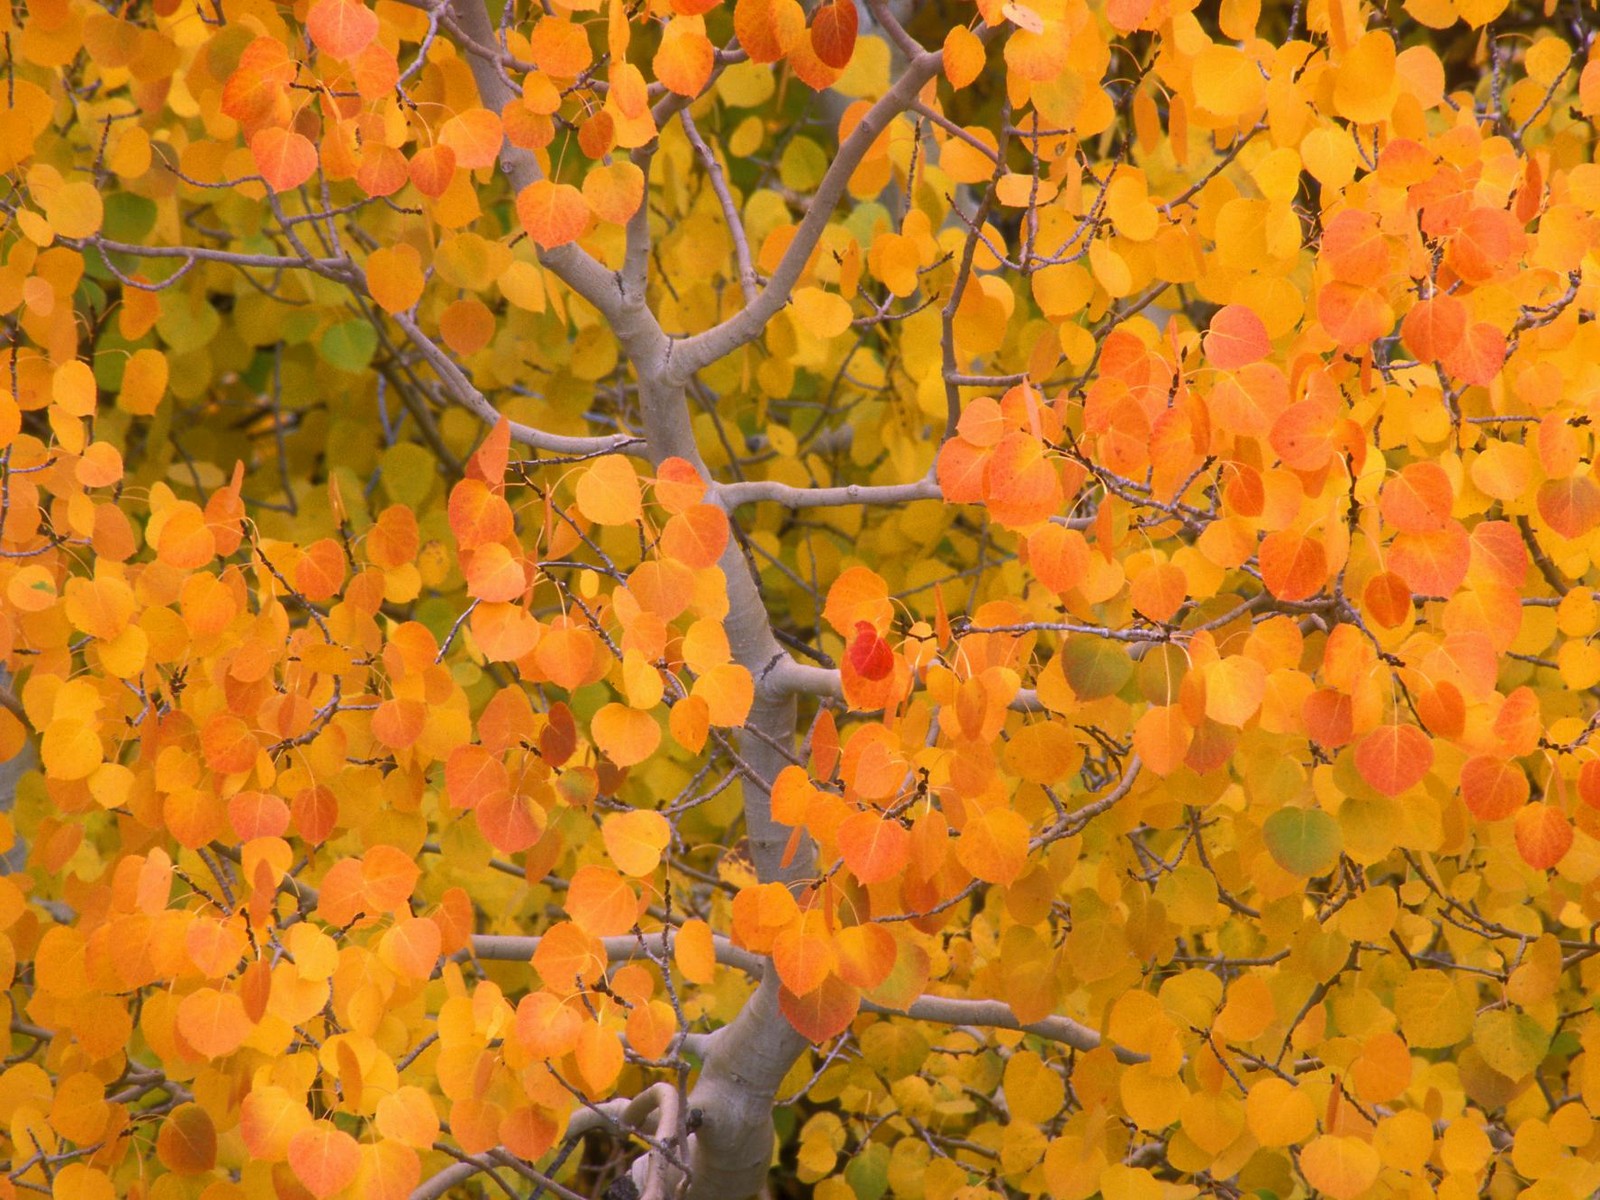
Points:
(824, 1012)
(833, 33)
(870, 655)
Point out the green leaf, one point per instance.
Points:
(1095, 669)
(1161, 672)
(349, 345)
(868, 1172)
(408, 472)
(1512, 1043)
(1303, 841)
(128, 218)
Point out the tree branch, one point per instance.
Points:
(468, 396)
(705, 348)
(748, 283)
(520, 948)
(437, 1185)
(623, 308)
(803, 679)
(996, 1014)
(756, 491)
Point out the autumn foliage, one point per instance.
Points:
(873, 600)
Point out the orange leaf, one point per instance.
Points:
(315, 813)
(1479, 356)
(494, 574)
(1354, 316)
(823, 1013)
(341, 28)
(803, 954)
(1236, 337)
(1353, 247)
(324, 1159)
(268, 1119)
(479, 515)
(858, 594)
(1570, 506)
(695, 952)
(874, 849)
(383, 170)
(467, 326)
(866, 953)
(388, 877)
(399, 723)
(600, 902)
(1434, 327)
(1162, 737)
(473, 775)
(1418, 500)
(285, 159)
(994, 846)
(1544, 835)
(728, 692)
(678, 485)
(599, 1057)
(1293, 566)
(408, 1116)
(511, 822)
(475, 136)
(696, 537)
(690, 723)
(1492, 787)
(432, 170)
(1393, 758)
(566, 655)
(768, 29)
(963, 56)
(390, 1171)
(685, 59)
(1432, 564)
(213, 1022)
(1021, 486)
(320, 572)
(228, 745)
(186, 1142)
(552, 213)
(411, 947)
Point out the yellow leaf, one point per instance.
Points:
(635, 840)
(614, 192)
(394, 277)
(1227, 81)
(1343, 1167)
(821, 314)
(625, 735)
(608, 492)
(1279, 1113)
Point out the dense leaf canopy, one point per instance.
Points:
(966, 601)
